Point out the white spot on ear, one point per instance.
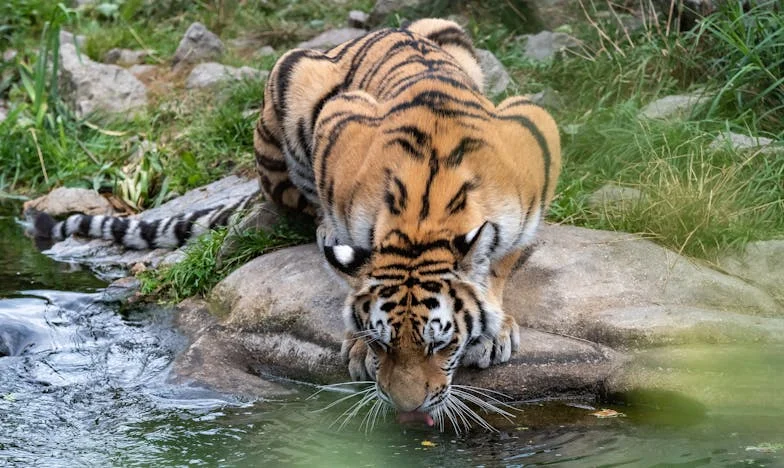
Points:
(472, 234)
(344, 254)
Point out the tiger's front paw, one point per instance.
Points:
(359, 358)
(487, 351)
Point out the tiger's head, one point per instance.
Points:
(420, 305)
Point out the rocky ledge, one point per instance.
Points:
(587, 300)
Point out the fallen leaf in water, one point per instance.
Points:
(607, 413)
(427, 443)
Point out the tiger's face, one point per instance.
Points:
(418, 309)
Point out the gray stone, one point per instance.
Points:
(740, 142)
(112, 261)
(205, 75)
(63, 201)
(548, 98)
(544, 45)
(579, 293)
(760, 263)
(614, 197)
(266, 51)
(331, 38)
(215, 358)
(140, 71)
(90, 87)
(3, 110)
(358, 19)
(10, 55)
(125, 57)
(496, 77)
(384, 8)
(678, 105)
(198, 45)
(75, 40)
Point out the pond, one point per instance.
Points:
(85, 383)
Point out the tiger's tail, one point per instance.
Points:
(137, 234)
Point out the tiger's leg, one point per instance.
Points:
(271, 163)
(497, 349)
(358, 357)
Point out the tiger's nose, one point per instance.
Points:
(405, 399)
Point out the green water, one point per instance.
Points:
(85, 384)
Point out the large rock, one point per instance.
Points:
(358, 19)
(331, 38)
(66, 200)
(760, 263)
(75, 40)
(205, 75)
(584, 297)
(677, 105)
(198, 45)
(90, 87)
(496, 77)
(546, 44)
(111, 261)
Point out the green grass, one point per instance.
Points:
(200, 271)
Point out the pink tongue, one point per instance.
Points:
(415, 416)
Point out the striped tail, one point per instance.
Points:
(164, 233)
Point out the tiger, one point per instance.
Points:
(426, 195)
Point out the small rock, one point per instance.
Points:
(90, 87)
(544, 45)
(9, 55)
(125, 57)
(209, 74)
(64, 200)
(760, 263)
(68, 38)
(122, 290)
(496, 77)
(265, 51)
(384, 8)
(614, 197)
(358, 19)
(3, 110)
(740, 142)
(198, 45)
(548, 98)
(676, 105)
(142, 70)
(331, 38)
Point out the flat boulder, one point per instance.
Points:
(586, 300)
(112, 261)
(545, 45)
(674, 106)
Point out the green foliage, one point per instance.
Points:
(743, 53)
(200, 271)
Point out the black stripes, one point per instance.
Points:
(466, 145)
(424, 212)
(453, 36)
(542, 142)
(396, 195)
(458, 201)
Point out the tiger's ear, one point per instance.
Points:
(476, 247)
(347, 259)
